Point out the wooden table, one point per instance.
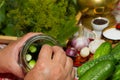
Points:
(7, 39)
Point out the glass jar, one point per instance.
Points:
(30, 50)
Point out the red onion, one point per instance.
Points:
(71, 52)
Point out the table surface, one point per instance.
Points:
(7, 39)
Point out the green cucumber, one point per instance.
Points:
(103, 49)
(32, 63)
(116, 51)
(100, 71)
(28, 57)
(116, 74)
(116, 48)
(32, 48)
(114, 56)
(86, 66)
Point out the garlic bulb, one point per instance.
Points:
(93, 45)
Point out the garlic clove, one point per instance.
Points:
(85, 52)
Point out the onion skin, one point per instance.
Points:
(80, 42)
(72, 52)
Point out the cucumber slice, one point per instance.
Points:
(28, 57)
(32, 63)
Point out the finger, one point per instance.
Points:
(69, 65)
(45, 52)
(22, 40)
(59, 55)
(71, 76)
(17, 70)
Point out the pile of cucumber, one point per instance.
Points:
(105, 64)
(33, 50)
(32, 54)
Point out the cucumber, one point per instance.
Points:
(28, 57)
(116, 51)
(103, 49)
(86, 66)
(32, 48)
(32, 63)
(116, 48)
(116, 74)
(114, 56)
(100, 71)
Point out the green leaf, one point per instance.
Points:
(9, 30)
(2, 11)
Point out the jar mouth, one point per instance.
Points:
(38, 40)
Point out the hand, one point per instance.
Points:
(9, 56)
(52, 64)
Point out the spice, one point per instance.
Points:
(99, 21)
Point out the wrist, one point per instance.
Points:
(35, 75)
(4, 62)
(2, 67)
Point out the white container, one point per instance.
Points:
(99, 24)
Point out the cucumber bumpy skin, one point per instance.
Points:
(116, 74)
(100, 71)
(104, 49)
(86, 66)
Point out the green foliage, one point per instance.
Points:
(52, 17)
(2, 12)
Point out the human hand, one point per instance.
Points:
(52, 64)
(9, 56)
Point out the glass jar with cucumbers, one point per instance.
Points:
(30, 50)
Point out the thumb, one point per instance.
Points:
(17, 70)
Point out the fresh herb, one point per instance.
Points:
(52, 17)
